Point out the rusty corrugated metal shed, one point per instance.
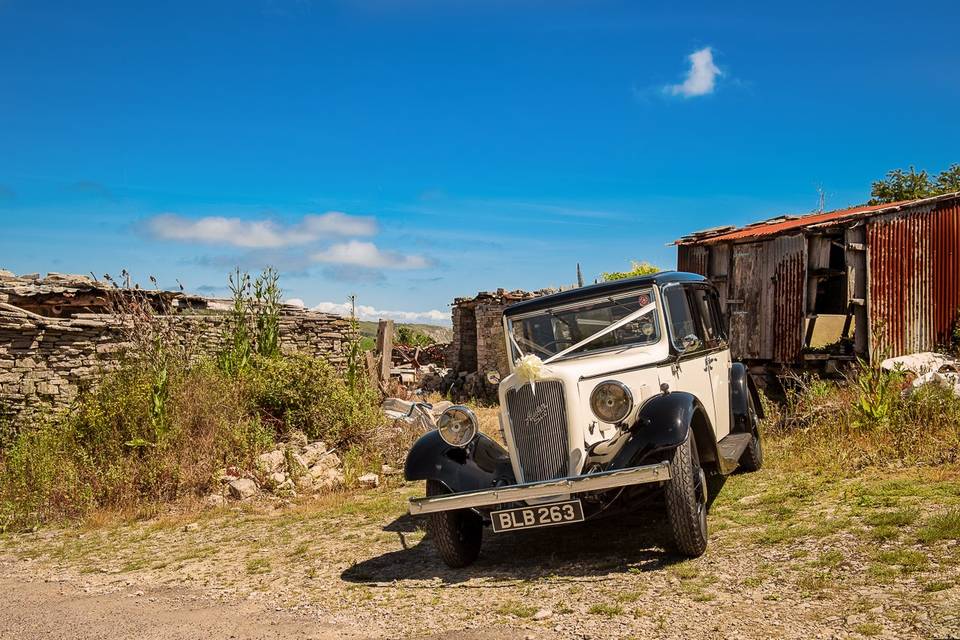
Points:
(914, 278)
(891, 272)
(787, 223)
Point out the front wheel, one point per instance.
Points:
(686, 497)
(457, 535)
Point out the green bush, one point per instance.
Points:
(107, 452)
(309, 395)
(410, 337)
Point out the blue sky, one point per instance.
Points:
(411, 151)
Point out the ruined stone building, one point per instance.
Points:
(60, 332)
(479, 344)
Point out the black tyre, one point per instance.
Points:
(686, 497)
(457, 535)
(752, 457)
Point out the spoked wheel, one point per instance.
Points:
(457, 535)
(752, 457)
(686, 497)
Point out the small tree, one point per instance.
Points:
(911, 184)
(636, 269)
(949, 179)
(410, 337)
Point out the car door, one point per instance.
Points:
(706, 307)
(690, 373)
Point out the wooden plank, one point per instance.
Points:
(385, 348)
(856, 259)
(372, 369)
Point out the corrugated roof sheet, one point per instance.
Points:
(786, 223)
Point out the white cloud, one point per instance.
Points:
(366, 254)
(295, 302)
(701, 77)
(366, 312)
(259, 234)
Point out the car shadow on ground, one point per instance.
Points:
(631, 541)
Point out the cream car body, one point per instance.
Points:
(620, 389)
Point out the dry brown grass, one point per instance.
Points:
(869, 419)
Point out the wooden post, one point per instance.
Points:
(372, 369)
(385, 348)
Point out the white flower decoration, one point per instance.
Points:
(530, 368)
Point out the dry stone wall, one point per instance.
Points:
(46, 361)
(479, 344)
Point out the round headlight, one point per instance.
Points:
(611, 401)
(457, 426)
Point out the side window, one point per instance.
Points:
(682, 317)
(718, 319)
(711, 332)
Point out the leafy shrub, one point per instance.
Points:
(636, 269)
(108, 453)
(410, 337)
(309, 395)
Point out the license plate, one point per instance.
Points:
(541, 515)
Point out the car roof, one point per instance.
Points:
(602, 289)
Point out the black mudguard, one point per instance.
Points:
(741, 388)
(662, 425)
(481, 465)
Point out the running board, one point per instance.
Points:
(731, 448)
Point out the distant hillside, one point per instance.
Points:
(440, 334)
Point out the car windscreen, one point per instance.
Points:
(549, 332)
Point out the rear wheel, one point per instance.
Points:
(686, 497)
(457, 535)
(752, 457)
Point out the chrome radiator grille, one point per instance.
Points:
(539, 425)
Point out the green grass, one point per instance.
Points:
(884, 533)
(629, 597)
(869, 629)
(898, 518)
(831, 559)
(943, 526)
(517, 609)
(937, 585)
(258, 566)
(813, 582)
(685, 571)
(909, 560)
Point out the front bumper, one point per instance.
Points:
(544, 489)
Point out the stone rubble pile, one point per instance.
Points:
(459, 385)
(294, 468)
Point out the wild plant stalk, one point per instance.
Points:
(356, 369)
(235, 357)
(150, 337)
(266, 308)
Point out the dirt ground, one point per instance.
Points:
(791, 555)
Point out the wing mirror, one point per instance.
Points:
(690, 343)
(493, 377)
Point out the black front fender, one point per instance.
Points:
(662, 424)
(481, 465)
(741, 389)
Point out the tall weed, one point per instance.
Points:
(870, 418)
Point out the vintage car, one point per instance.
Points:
(617, 391)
